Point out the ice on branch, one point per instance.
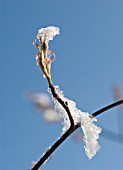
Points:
(90, 130)
(47, 34)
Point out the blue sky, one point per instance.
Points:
(89, 61)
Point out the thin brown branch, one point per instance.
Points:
(63, 103)
(107, 108)
(54, 147)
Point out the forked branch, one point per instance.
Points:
(68, 133)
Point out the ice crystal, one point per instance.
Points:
(90, 130)
(47, 34)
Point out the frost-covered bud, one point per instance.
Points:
(47, 34)
(45, 57)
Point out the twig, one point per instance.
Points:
(107, 108)
(54, 147)
(64, 104)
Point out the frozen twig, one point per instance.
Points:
(76, 117)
